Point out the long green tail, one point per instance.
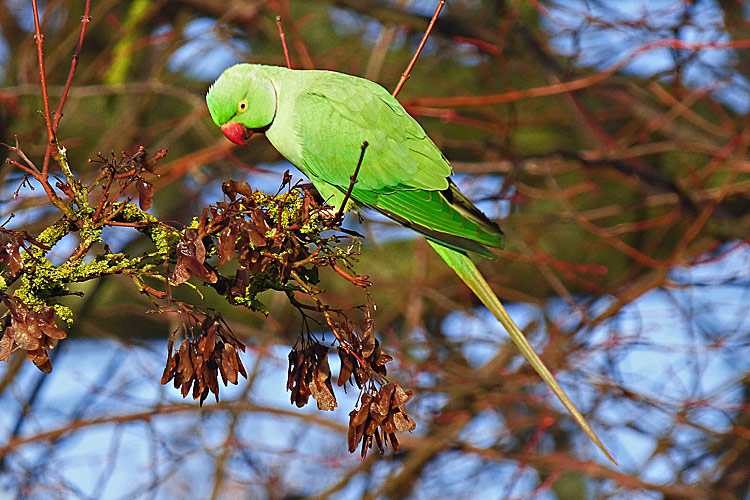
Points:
(469, 273)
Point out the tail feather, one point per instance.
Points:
(467, 271)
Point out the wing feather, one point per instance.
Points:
(403, 174)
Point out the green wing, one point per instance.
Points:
(403, 174)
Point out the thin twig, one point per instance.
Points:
(361, 281)
(283, 42)
(405, 75)
(85, 20)
(352, 182)
(303, 53)
(344, 343)
(39, 38)
(21, 166)
(17, 149)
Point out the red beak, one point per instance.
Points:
(236, 132)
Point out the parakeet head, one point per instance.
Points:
(242, 101)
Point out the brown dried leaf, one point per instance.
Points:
(355, 432)
(185, 389)
(292, 369)
(145, 193)
(302, 393)
(232, 187)
(286, 179)
(217, 358)
(32, 325)
(227, 243)
(388, 425)
(191, 255)
(382, 359)
(40, 359)
(181, 272)
(24, 339)
(229, 362)
(207, 341)
(259, 219)
(6, 344)
(382, 405)
(192, 235)
(197, 360)
(320, 387)
(185, 364)
(241, 367)
(347, 367)
(256, 238)
(168, 373)
(379, 441)
(212, 382)
(400, 397)
(362, 414)
(52, 331)
(403, 422)
(369, 343)
(14, 257)
(202, 222)
(361, 376)
(394, 442)
(321, 390)
(198, 385)
(366, 444)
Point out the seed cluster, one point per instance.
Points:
(199, 361)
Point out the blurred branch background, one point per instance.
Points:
(608, 138)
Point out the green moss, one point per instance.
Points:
(64, 313)
(260, 283)
(163, 237)
(54, 233)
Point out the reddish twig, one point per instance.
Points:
(52, 124)
(283, 42)
(581, 83)
(17, 149)
(22, 167)
(39, 38)
(32, 170)
(352, 182)
(361, 281)
(405, 75)
(85, 20)
(303, 52)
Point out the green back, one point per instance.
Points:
(403, 174)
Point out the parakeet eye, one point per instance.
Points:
(242, 106)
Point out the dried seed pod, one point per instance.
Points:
(232, 188)
(256, 238)
(6, 345)
(171, 364)
(347, 367)
(227, 243)
(145, 193)
(320, 386)
(40, 359)
(14, 257)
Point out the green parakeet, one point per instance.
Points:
(319, 121)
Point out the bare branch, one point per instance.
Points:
(405, 75)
